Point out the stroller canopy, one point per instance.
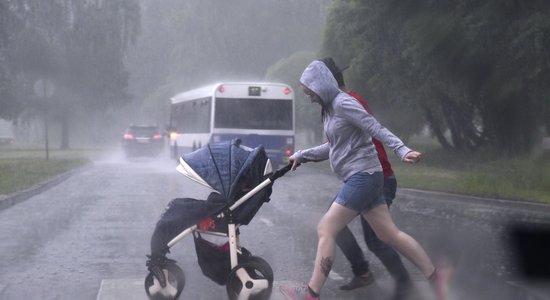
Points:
(222, 166)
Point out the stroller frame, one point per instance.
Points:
(232, 227)
(250, 277)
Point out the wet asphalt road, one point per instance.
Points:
(96, 226)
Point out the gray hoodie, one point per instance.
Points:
(349, 128)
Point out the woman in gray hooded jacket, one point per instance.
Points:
(353, 158)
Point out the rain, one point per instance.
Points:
(105, 104)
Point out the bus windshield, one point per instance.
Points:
(267, 114)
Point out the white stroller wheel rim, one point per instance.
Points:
(169, 291)
(252, 279)
(175, 282)
(250, 286)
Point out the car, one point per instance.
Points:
(142, 140)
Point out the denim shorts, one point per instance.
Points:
(362, 192)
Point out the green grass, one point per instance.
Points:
(22, 168)
(480, 174)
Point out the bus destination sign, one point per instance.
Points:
(254, 91)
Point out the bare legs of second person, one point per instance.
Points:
(381, 222)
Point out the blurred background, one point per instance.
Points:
(466, 81)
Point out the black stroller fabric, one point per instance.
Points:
(180, 214)
(232, 170)
(214, 259)
(229, 169)
(218, 165)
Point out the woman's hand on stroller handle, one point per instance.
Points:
(295, 164)
(295, 160)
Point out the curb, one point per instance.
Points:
(469, 198)
(20, 196)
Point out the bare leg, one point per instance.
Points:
(331, 223)
(381, 222)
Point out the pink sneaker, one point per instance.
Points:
(440, 281)
(297, 293)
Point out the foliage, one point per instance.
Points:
(155, 108)
(475, 71)
(8, 24)
(78, 45)
(95, 48)
(308, 117)
(187, 44)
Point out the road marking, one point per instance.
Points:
(116, 289)
(132, 288)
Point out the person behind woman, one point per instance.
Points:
(349, 129)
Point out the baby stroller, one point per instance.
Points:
(241, 178)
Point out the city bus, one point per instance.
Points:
(258, 113)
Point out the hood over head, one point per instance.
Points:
(318, 78)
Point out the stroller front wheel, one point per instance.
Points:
(175, 281)
(251, 279)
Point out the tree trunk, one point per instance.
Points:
(64, 121)
(436, 128)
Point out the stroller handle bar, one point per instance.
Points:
(280, 172)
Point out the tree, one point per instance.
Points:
(360, 35)
(186, 44)
(95, 47)
(308, 119)
(475, 70)
(78, 44)
(10, 25)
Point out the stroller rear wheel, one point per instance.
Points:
(251, 279)
(175, 281)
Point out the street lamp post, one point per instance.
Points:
(44, 89)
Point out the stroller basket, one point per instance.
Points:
(214, 259)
